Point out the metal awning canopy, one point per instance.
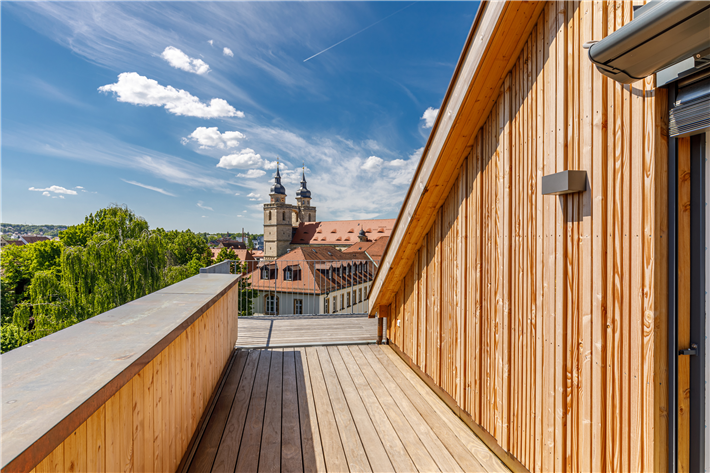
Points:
(663, 33)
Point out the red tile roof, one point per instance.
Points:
(340, 232)
(243, 255)
(33, 238)
(314, 264)
(374, 249)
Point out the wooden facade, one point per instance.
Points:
(147, 425)
(544, 318)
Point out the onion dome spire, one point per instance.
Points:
(303, 192)
(277, 188)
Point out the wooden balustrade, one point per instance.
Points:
(123, 391)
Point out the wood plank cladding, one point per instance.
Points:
(544, 317)
(147, 425)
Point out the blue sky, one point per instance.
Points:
(179, 110)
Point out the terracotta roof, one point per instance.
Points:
(314, 264)
(374, 249)
(243, 255)
(339, 231)
(33, 238)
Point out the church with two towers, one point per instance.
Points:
(288, 226)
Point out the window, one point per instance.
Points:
(326, 303)
(269, 215)
(268, 272)
(360, 297)
(271, 303)
(335, 304)
(309, 217)
(348, 299)
(342, 301)
(298, 306)
(288, 274)
(283, 216)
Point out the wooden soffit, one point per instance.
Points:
(493, 44)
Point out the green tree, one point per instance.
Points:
(226, 254)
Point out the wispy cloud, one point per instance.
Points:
(139, 90)
(429, 117)
(227, 52)
(180, 60)
(54, 189)
(144, 186)
(96, 147)
(202, 206)
(254, 196)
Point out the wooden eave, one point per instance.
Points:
(493, 44)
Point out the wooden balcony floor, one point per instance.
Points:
(336, 408)
(288, 330)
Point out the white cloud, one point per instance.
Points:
(46, 193)
(227, 52)
(237, 193)
(254, 196)
(54, 189)
(211, 42)
(212, 138)
(78, 187)
(429, 117)
(156, 189)
(202, 206)
(373, 163)
(245, 159)
(272, 165)
(180, 60)
(139, 90)
(252, 174)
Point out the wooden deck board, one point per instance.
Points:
(305, 330)
(344, 408)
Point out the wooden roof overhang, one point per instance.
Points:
(493, 44)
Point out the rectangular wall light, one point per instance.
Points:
(565, 182)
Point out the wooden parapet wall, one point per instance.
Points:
(544, 317)
(123, 391)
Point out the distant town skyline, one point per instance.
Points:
(180, 110)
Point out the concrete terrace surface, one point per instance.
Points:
(288, 330)
(335, 408)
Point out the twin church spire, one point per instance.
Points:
(278, 188)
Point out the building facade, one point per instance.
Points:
(288, 226)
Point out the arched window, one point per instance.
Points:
(269, 215)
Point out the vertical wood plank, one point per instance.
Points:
(683, 304)
(96, 441)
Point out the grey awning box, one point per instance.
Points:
(565, 182)
(663, 33)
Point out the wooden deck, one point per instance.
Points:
(260, 331)
(336, 408)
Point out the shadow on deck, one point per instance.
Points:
(336, 408)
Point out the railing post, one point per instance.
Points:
(379, 330)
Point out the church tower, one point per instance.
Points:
(278, 224)
(306, 213)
